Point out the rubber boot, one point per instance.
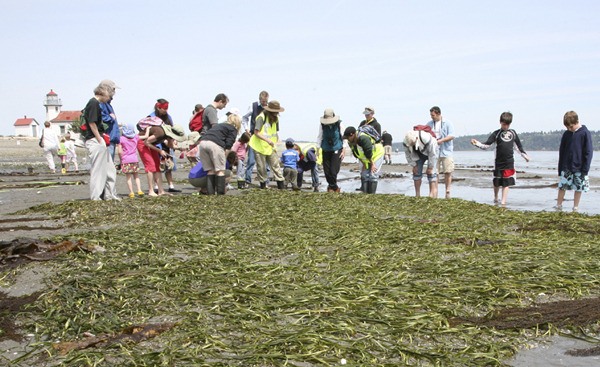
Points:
(210, 184)
(263, 185)
(220, 180)
(372, 187)
(363, 186)
(280, 185)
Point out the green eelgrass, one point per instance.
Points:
(275, 278)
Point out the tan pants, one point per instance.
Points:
(261, 166)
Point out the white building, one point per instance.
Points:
(60, 120)
(27, 127)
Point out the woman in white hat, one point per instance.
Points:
(421, 147)
(264, 142)
(331, 142)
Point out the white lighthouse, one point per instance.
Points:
(53, 105)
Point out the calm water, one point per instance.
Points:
(526, 195)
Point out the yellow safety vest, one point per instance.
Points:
(378, 152)
(269, 131)
(304, 148)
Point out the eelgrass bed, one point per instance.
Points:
(273, 278)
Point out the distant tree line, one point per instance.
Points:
(531, 141)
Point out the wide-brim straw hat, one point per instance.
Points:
(174, 132)
(193, 137)
(274, 106)
(329, 117)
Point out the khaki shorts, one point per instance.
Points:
(445, 165)
(387, 149)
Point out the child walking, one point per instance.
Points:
(62, 155)
(507, 141)
(574, 160)
(71, 153)
(289, 159)
(240, 147)
(127, 149)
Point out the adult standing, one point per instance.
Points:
(386, 139)
(213, 146)
(369, 153)
(421, 147)
(444, 132)
(103, 174)
(248, 124)
(110, 118)
(331, 142)
(161, 108)
(210, 116)
(264, 143)
(49, 142)
(370, 119)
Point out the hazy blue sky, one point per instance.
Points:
(474, 59)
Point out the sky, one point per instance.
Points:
(474, 59)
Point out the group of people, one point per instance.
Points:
(61, 147)
(250, 141)
(575, 156)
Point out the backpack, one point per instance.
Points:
(425, 128)
(146, 122)
(196, 121)
(371, 131)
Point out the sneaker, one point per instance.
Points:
(172, 189)
(575, 209)
(131, 195)
(558, 208)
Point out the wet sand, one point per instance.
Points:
(26, 181)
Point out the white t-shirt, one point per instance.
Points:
(50, 139)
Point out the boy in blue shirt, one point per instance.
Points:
(574, 160)
(289, 159)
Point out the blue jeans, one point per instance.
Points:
(430, 178)
(250, 162)
(314, 173)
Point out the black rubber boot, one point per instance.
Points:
(280, 185)
(372, 187)
(263, 185)
(363, 186)
(210, 184)
(220, 185)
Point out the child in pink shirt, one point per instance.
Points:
(240, 147)
(127, 149)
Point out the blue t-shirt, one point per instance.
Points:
(290, 158)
